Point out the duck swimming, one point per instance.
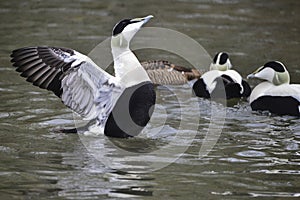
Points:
(221, 77)
(120, 105)
(275, 94)
(162, 72)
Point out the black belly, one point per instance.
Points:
(132, 111)
(278, 105)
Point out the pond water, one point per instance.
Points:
(255, 155)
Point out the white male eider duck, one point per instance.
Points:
(219, 77)
(275, 94)
(120, 105)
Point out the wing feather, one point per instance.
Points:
(46, 82)
(77, 80)
(36, 73)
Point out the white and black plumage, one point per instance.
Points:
(121, 105)
(275, 94)
(221, 77)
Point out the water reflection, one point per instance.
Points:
(257, 154)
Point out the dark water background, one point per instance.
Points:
(256, 155)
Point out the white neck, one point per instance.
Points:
(127, 67)
(218, 67)
(281, 78)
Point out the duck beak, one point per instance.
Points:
(146, 19)
(143, 19)
(251, 76)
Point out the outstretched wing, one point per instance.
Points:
(76, 79)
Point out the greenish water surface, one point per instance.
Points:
(255, 156)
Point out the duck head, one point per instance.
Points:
(221, 62)
(273, 71)
(125, 30)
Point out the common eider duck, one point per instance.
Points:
(120, 105)
(275, 94)
(163, 72)
(219, 77)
